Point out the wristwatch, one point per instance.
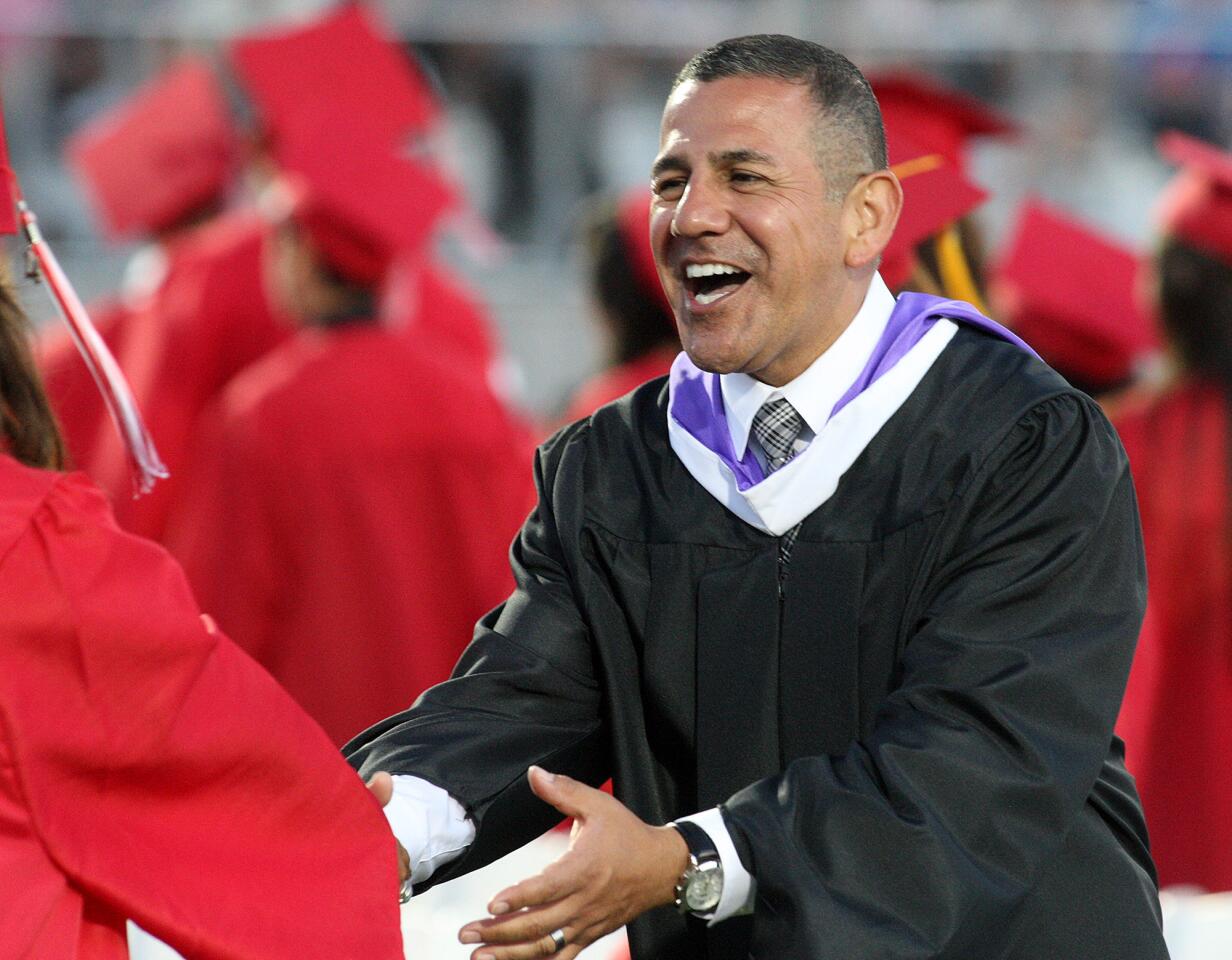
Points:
(700, 887)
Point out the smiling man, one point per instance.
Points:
(844, 606)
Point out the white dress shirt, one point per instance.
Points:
(809, 479)
(815, 391)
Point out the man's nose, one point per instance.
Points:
(700, 211)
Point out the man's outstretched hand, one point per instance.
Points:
(616, 867)
(382, 787)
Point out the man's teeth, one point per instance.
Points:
(705, 298)
(694, 270)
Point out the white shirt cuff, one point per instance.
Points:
(739, 887)
(431, 825)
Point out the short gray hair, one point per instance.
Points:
(850, 134)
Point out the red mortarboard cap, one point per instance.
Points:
(1196, 206)
(633, 220)
(342, 62)
(935, 195)
(933, 116)
(161, 155)
(362, 209)
(1070, 293)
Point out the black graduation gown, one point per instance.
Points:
(913, 747)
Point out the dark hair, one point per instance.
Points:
(637, 320)
(973, 247)
(354, 302)
(30, 433)
(850, 136)
(1195, 305)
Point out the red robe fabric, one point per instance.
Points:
(150, 770)
(1177, 715)
(451, 324)
(352, 516)
(207, 320)
(616, 381)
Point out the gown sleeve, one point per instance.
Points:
(524, 692)
(168, 777)
(934, 827)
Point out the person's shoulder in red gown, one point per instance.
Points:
(150, 770)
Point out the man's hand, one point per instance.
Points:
(382, 787)
(616, 867)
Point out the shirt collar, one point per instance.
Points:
(815, 391)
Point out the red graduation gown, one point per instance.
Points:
(150, 770)
(351, 518)
(207, 320)
(1177, 715)
(619, 380)
(451, 323)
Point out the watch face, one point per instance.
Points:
(704, 889)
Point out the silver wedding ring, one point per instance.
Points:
(558, 940)
(404, 891)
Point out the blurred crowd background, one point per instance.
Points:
(550, 102)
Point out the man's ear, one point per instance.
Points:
(871, 207)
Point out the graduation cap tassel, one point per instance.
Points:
(956, 277)
(42, 264)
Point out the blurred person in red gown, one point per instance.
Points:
(346, 62)
(148, 768)
(1081, 311)
(930, 127)
(357, 492)
(153, 166)
(163, 165)
(638, 323)
(937, 198)
(1177, 715)
(191, 313)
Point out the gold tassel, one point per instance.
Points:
(956, 278)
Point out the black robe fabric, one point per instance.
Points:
(913, 746)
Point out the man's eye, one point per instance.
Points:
(669, 188)
(743, 176)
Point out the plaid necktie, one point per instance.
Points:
(777, 427)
